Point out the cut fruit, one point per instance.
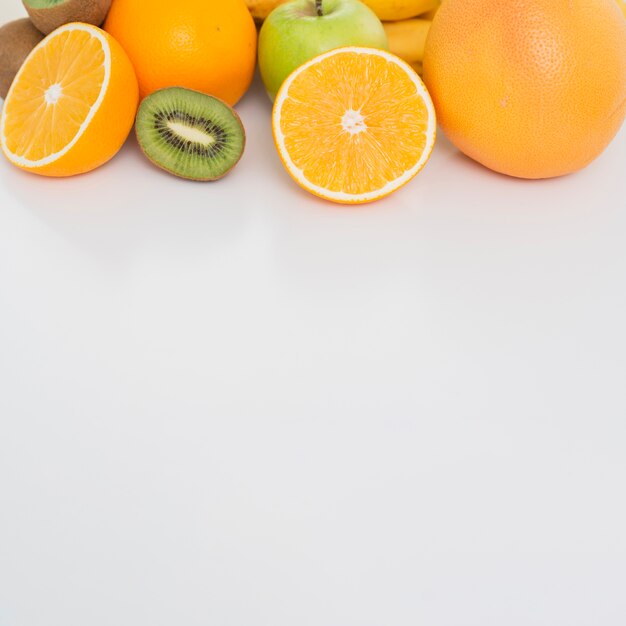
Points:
(353, 125)
(48, 15)
(190, 134)
(71, 105)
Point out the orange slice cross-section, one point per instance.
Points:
(71, 105)
(354, 124)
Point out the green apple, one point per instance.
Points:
(299, 30)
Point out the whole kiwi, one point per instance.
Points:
(17, 39)
(47, 15)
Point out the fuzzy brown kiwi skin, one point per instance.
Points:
(88, 11)
(199, 180)
(17, 39)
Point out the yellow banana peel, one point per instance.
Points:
(260, 9)
(393, 10)
(429, 15)
(384, 9)
(407, 38)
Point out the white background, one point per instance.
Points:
(233, 404)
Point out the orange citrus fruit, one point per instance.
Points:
(71, 105)
(532, 88)
(205, 45)
(353, 125)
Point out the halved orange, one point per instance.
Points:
(354, 124)
(71, 105)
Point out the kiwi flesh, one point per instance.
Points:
(17, 39)
(190, 134)
(48, 15)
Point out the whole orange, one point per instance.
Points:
(206, 45)
(529, 88)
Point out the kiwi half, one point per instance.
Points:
(17, 39)
(190, 134)
(48, 15)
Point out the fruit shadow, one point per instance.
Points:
(476, 203)
(478, 172)
(324, 249)
(260, 161)
(453, 204)
(128, 204)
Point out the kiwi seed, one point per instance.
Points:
(17, 39)
(48, 15)
(190, 134)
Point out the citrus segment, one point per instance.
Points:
(354, 124)
(72, 104)
(72, 67)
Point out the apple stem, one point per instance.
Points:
(318, 8)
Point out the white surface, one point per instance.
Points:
(233, 404)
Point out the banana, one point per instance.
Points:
(385, 9)
(394, 10)
(407, 38)
(429, 15)
(260, 9)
